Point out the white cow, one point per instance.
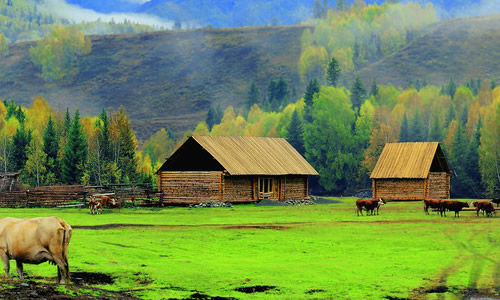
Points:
(35, 241)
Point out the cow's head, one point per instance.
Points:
(381, 201)
(474, 203)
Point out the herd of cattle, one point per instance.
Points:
(441, 206)
(38, 240)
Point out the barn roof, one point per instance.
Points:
(246, 155)
(410, 160)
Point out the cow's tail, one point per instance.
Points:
(66, 237)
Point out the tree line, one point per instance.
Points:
(342, 131)
(50, 147)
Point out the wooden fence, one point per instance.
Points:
(67, 196)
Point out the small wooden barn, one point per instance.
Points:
(234, 169)
(411, 171)
(9, 182)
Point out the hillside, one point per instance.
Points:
(164, 79)
(463, 48)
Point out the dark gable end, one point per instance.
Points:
(191, 157)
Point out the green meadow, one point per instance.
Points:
(293, 252)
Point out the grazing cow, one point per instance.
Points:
(369, 205)
(451, 205)
(432, 203)
(496, 201)
(95, 207)
(35, 241)
(116, 204)
(107, 201)
(484, 206)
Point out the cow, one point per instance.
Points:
(496, 201)
(432, 203)
(110, 202)
(452, 205)
(484, 206)
(369, 205)
(95, 207)
(34, 241)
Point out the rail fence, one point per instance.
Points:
(77, 195)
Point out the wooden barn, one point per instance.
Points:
(9, 182)
(411, 171)
(234, 169)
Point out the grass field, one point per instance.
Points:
(303, 252)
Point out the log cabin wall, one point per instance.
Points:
(191, 186)
(438, 186)
(295, 187)
(239, 188)
(399, 189)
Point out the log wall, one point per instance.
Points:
(399, 189)
(191, 186)
(438, 185)
(41, 198)
(295, 187)
(239, 189)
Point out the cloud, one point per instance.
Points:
(78, 14)
(470, 9)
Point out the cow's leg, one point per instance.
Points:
(20, 269)
(62, 270)
(6, 265)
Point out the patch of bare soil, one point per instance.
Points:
(30, 289)
(254, 289)
(110, 226)
(271, 227)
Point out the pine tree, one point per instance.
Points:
(451, 88)
(333, 72)
(253, 96)
(317, 9)
(450, 116)
(460, 181)
(417, 129)
(374, 88)
(127, 162)
(51, 149)
(404, 133)
(104, 137)
(311, 89)
(20, 142)
(435, 131)
(358, 94)
(472, 161)
(281, 94)
(75, 153)
(295, 133)
(493, 84)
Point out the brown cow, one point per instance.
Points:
(95, 207)
(432, 203)
(110, 202)
(452, 205)
(484, 206)
(369, 205)
(35, 241)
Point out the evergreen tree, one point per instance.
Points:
(451, 88)
(450, 116)
(271, 94)
(127, 162)
(281, 94)
(317, 9)
(214, 116)
(358, 94)
(435, 131)
(311, 89)
(341, 5)
(75, 153)
(20, 142)
(295, 133)
(67, 123)
(417, 129)
(404, 132)
(333, 72)
(493, 84)
(374, 88)
(460, 182)
(252, 96)
(51, 149)
(472, 162)
(104, 137)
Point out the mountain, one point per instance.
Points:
(464, 48)
(170, 79)
(164, 79)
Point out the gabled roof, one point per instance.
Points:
(246, 155)
(410, 160)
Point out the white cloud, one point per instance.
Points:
(78, 14)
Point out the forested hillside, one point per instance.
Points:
(163, 79)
